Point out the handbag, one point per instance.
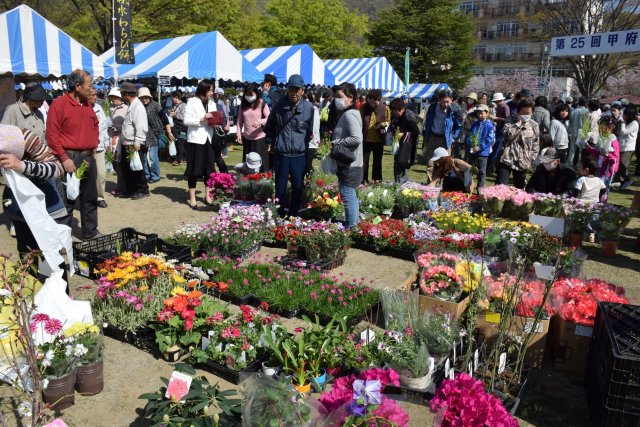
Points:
(342, 154)
(215, 119)
(403, 155)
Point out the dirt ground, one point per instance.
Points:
(554, 399)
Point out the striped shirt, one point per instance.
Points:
(38, 159)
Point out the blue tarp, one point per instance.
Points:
(366, 73)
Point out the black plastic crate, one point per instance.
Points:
(87, 254)
(231, 375)
(612, 378)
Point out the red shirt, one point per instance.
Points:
(71, 126)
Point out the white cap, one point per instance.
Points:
(438, 153)
(219, 91)
(143, 91)
(251, 165)
(498, 96)
(115, 92)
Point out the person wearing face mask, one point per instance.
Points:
(551, 176)
(252, 117)
(289, 129)
(346, 149)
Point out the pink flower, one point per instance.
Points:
(290, 292)
(52, 326)
(40, 317)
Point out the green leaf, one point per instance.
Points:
(185, 368)
(150, 396)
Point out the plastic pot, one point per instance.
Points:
(172, 354)
(60, 393)
(268, 370)
(575, 239)
(609, 248)
(320, 379)
(90, 378)
(305, 388)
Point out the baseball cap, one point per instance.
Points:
(295, 80)
(549, 155)
(128, 87)
(439, 153)
(35, 93)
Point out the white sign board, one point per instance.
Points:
(164, 80)
(596, 44)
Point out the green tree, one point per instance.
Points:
(246, 30)
(326, 25)
(440, 37)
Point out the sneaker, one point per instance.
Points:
(12, 230)
(626, 184)
(95, 236)
(591, 238)
(138, 196)
(102, 204)
(153, 181)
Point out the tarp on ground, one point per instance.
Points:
(419, 90)
(31, 46)
(366, 73)
(285, 61)
(198, 56)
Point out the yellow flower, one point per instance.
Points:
(144, 288)
(178, 278)
(178, 290)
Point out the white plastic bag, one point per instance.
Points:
(172, 149)
(395, 147)
(329, 166)
(73, 186)
(135, 163)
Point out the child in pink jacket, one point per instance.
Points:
(607, 151)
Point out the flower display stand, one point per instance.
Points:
(433, 305)
(571, 343)
(487, 331)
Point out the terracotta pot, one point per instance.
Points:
(90, 378)
(609, 248)
(306, 388)
(60, 392)
(575, 239)
(172, 354)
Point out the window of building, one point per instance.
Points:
(507, 29)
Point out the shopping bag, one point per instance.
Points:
(135, 164)
(403, 156)
(395, 147)
(173, 151)
(73, 186)
(329, 166)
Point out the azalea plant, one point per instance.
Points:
(464, 402)
(132, 288)
(222, 185)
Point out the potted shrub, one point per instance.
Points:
(204, 405)
(579, 218)
(222, 185)
(612, 220)
(90, 365)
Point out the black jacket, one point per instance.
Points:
(408, 122)
(542, 182)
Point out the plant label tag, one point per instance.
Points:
(433, 205)
(210, 334)
(454, 351)
(584, 331)
(544, 272)
(451, 375)
(492, 317)
(432, 364)
(476, 358)
(503, 363)
(179, 385)
(447, 367)
(367, 336)
(470, 370)
(210, 272)
(528, 328)
(206, 342)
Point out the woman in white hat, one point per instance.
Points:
(449, 173)
(502, 116)
(118, 110)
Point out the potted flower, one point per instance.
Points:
(222, 185)
(56, 361)
(296, 353)
(204, 405)
(377, 200)
(547, 212)
(409, 201)
(612, 220)
(579, 216)
(493, 199)
(90, 365)
(402, 352)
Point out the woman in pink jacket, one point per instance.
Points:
(252, 116)
(607, 151)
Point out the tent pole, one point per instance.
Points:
(113, 31)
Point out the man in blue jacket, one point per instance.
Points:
(441, 125)
(289, 129)
(480, 139)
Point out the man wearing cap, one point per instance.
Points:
(441, 125)
(133, 137)
(502, 117)
(251, 165)
(550, 176)
(158, 123)
(26, 114)
(103, 144)
(289, 129)
(72, 135)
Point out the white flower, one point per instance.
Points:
(45, 383)
(513, 240)
(381, 346)
(48, 357)
(24, 409)
(80, 350)
(370, 194)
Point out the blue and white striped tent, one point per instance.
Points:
(366, 73)
(419, 90)
(285, 61)
(31, 46)
(199, 56)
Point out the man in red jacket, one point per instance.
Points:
(72, 135)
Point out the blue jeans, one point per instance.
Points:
(351, 204)
(152, 173)
(496, 149)
(285, 167)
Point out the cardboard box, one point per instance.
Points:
(571, 344)
(431, 304)
(487, 331)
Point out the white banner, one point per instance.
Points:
(596, 44)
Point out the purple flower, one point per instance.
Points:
(367, 390)
(357, 410)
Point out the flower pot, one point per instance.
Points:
(318, 382)
(416, 383)
(60, 393)
(268, 371)
(609, 248)
(90, 378)
(575, 238)
(306, 388)
(172, 354)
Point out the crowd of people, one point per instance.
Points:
(579, 148)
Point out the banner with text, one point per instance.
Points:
(122, 28)
(596, 44)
